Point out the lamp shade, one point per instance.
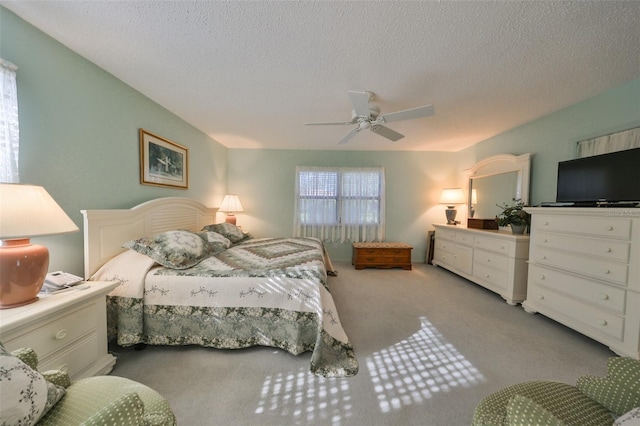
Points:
(26, 211)
(451, 196)
(230, 204)
(29, 211)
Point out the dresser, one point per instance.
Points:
(584, 272)
(496, 260)
(68, 330)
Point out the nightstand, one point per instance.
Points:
(68, 330)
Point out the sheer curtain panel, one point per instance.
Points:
(9, 129)
(610, 143)
(339, 204)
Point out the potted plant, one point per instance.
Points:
(515, 216)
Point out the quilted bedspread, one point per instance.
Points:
(267, 292)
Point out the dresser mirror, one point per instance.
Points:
(495, 181)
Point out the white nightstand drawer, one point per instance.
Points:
(74, 358)
(493, 244)
(491, 259)
(59, 332)
(604, 248)
(606, 227)
(591, 291)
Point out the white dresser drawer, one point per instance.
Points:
(444, 245)
(58, 332)
(600, 269)
(446, 233)
(594, 292)
(607, 227)
(604, 248)
(600, 320)
(491, 259)
(444, 257)
(493, 244)
(464, 238)
(495, 277)
(463, 259)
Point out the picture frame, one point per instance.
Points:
(163, 162)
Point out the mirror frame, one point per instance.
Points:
(499, 164)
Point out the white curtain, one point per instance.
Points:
(609, 143)
(9, 129)
(340, 204)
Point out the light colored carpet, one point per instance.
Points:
(430, 344)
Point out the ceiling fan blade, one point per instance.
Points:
(360, 102)
(351, 134)
(329, 123)
(386, 132)
(408, 114)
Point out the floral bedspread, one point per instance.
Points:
(267, 292)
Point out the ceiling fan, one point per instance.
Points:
(367, 116)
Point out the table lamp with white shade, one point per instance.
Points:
(230, 205)
(451, 197)
(26, 211)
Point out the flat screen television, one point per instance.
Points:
(612, 178)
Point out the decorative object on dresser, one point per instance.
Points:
(451, 197)
(381, 255)
(230, 205)
(482, 223)
(496, 260)
(26, 211)
(68, 330)
(515, 216)
(163, 162)
(584, 272)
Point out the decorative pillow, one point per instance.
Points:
(632, 418)
(172, 249)
(228, 230)
(619, 392)
(26, 395)
(525, 411)
(127, 410)
(217, 243)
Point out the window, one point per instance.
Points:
(9, 130)
(340, 204)
(619, 141)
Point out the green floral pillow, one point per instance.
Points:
(228, 230)
(26, 395)
(173, 249)
(619, 392)
(217, 243)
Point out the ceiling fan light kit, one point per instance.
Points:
(367, 116)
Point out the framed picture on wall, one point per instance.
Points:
(163, 162)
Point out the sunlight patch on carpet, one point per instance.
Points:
(415, 369)
(303, 397)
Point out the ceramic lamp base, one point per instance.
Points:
(451, 213)
(231, 218)
(23, 268)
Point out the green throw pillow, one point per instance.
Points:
(619, 392)
(525, 411)
(172, 249)
(128, 410)
(228, 230)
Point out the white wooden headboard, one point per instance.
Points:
(106, 230)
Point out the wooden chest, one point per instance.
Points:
(381, 255)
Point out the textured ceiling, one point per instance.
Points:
(250, 74)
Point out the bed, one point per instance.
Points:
(188, 281)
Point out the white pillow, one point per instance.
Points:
(631, 418)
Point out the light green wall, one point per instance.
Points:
(79, 136)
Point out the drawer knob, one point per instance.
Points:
(61, 334)
(542, 277)
(604, 296)
(607, 272)
(544, 257)
(608, 250)
(602, 322)
(545, 240)
(546, 223)
(487, 276)
(488, 260)
(609, 228)
(540, 296)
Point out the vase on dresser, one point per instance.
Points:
(518, 229)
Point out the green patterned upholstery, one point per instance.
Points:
(563, 401)
(28, 356)
(620, 390)
(593, 401)
(89, 396)
(525, 411)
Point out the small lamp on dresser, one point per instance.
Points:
(451, 197)
(26, 211)
(230, 205)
